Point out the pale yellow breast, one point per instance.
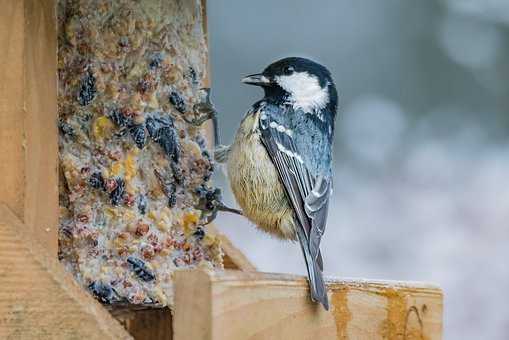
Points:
(255, 182)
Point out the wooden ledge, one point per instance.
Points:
(249, 305)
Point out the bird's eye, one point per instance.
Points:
(287, 70)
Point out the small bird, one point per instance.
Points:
(279, 165)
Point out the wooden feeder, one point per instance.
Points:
(39, 299)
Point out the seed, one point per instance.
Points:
(141, 229)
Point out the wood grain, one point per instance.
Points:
(39, 299)
(28, 111)
(250, 305)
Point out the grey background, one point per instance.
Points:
(421, 153)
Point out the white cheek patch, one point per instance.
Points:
(305, 91)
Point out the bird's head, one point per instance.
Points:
(301, 82)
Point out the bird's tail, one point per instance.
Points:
(315, 275)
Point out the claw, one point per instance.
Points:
(210, 204)
(205, 110)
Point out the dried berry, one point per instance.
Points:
(209, 169)
(199, 233)
(142, 204)
(144, 86)
(138, 135)
(178, 176)
(172, 200)
(155, 61)
(201, 141)
(118, 193)
(162, 131)
(83, 218)
(169, 188)
(192, 76)
(66, 129)
(119, 118)
(87, 90)
(96, 180)
(177, 101)
(102, 292)
(140, 269)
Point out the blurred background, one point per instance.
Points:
(422, 143)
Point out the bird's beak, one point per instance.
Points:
(256, 79)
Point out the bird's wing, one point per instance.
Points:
(307, 190)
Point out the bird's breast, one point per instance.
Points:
(255, 182)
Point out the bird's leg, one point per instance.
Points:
(210, 201)
(205, 110)
(222, 207)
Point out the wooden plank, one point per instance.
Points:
(249, 305)
(28, 111)
(39, 299)
(149, 324)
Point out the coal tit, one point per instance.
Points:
(279, 165)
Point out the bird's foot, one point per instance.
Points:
(221, 153)
(210, 203)
(204, 110)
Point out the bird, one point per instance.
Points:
(279, 165)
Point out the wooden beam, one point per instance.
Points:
(249, 305)
(39, 299)
(28, 111)
(148, 324)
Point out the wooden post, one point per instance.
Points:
(28, 111)
(39, 299)
(250, 305)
